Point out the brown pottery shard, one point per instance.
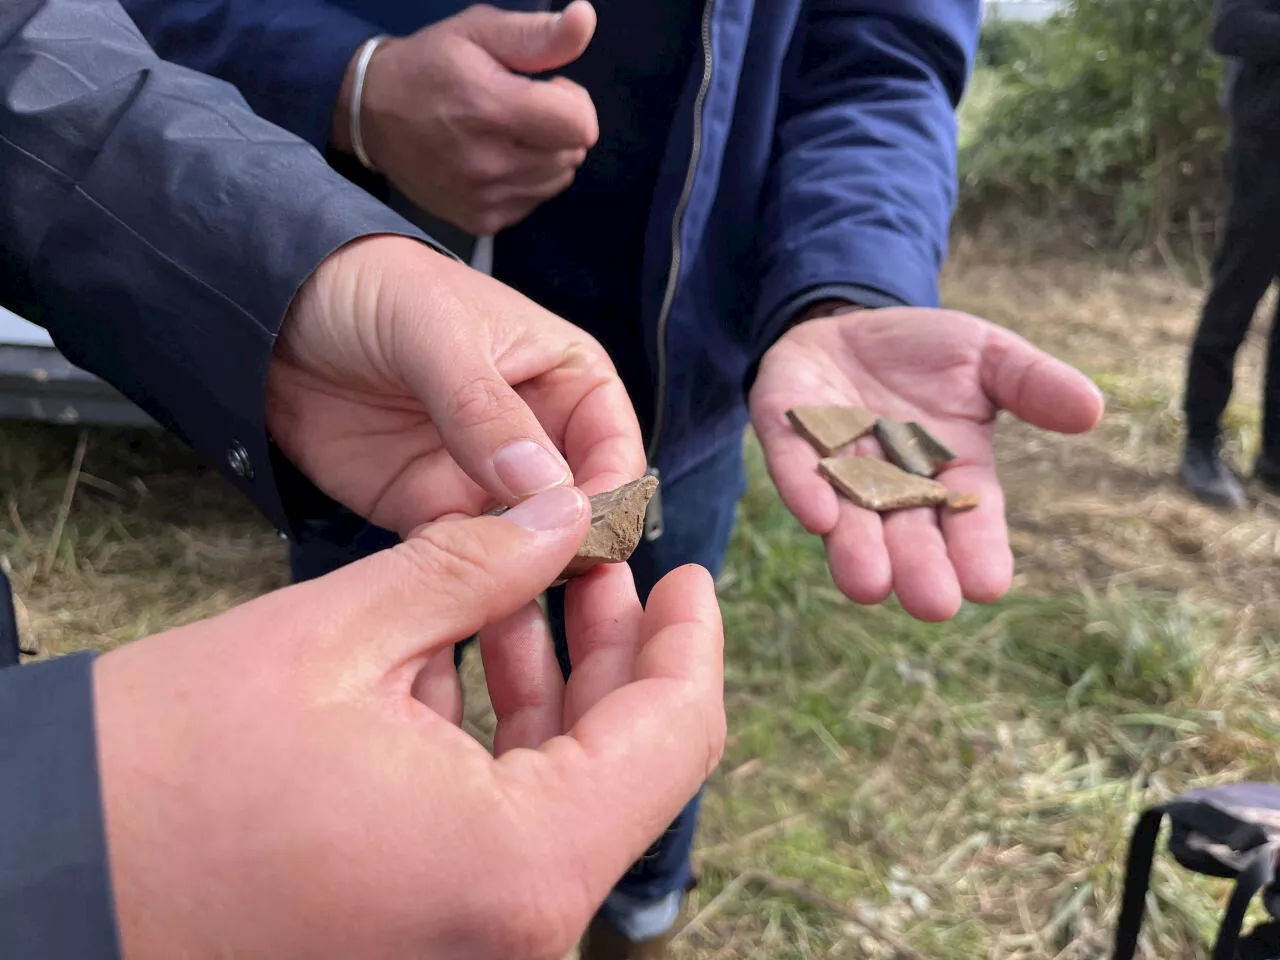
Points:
(959, 502)
(617, 523)
(880, 486)
(830, 429)
(912, 447)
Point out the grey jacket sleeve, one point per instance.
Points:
(159, 229)
(55, 888)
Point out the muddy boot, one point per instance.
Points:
(604, 941)
(1208, 479)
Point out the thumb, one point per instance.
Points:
(1037, 388)
(532, 42)
(449, 579)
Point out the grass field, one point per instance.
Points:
(891, 789)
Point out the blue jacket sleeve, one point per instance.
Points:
(287, 57)
(55, 888)
(863, 178)
(160, 230)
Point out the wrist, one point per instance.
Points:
(825, 308)
(340, 128)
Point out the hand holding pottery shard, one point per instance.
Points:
(617, 523)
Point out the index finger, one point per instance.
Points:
(611, 785)
(586, 401)
(555, 114)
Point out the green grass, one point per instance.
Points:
(890, 788)
(966, 787)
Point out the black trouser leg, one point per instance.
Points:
(1269, 455)
(1244, 268)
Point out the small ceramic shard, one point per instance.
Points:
(617, 523)
(831, 429)
(912, 447)
(959, 502)
(902, 448)
(933, 448)
(880, 486)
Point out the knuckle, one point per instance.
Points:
(446, 555)
(479, 402)
(490, 111)
(486, 169)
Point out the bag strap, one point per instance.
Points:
(1137, 880)
(1259, 872)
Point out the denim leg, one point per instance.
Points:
(699, 510)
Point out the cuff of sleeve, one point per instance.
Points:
(55, 880)
(791, 309)
(788, 313)
(885, 267)
(191, 314)
(304, 53)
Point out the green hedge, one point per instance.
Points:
(1107, 112)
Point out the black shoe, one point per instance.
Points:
(1266, 470)
(1207, 478)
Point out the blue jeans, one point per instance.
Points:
(699, 510)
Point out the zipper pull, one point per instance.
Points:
(653, 513)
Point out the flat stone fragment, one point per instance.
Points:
(617, 523)
(831, 429)
(933, 448)
(880, 486)
(912, 447)
(960, 502)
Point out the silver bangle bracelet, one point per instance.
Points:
(367, 50)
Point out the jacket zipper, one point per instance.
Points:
(653, 516)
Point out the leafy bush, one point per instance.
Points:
(1005, 41)
(1109, 111)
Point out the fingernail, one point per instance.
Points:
(552, 509)
(527, 468)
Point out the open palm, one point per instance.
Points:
(950, 371)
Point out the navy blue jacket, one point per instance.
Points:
(159, 230)
(813, 157)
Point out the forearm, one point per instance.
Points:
(286, 57)
(1247, 29)
(158, 228)
(863, 182)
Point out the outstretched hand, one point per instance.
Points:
(952, 372)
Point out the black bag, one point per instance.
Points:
(1229, 831)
